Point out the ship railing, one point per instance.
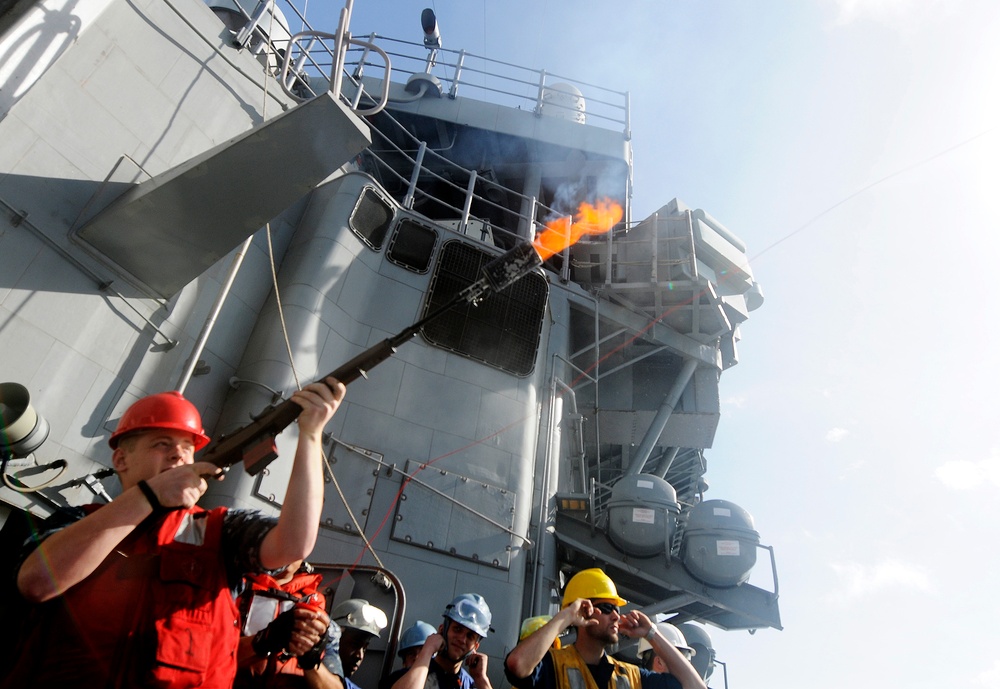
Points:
(265, 33)
(314, 61)
(298, 59)
(418, 157)
(599, 495)
(499, 82)
(292, 68)
(312, 55)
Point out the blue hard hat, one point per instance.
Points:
(470, 610)
(414, 635)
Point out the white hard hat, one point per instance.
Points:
(357, 613)
(674, 636)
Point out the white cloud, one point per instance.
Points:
(895, 13)
(738, 401)
(964, 474)
(852, 10)
(835, 435)
(858, 580)
(988, 678)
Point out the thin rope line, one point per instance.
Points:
(865, 188)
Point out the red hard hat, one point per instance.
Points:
(166, 410)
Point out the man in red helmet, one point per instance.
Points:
(141, 592)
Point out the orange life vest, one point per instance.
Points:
(262, 602)
(158, 612)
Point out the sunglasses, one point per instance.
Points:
(607, 608)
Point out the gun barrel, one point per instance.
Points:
(254, 444)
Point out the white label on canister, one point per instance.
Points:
(722, 512)
(643, 515)
(643, 484)
(727, 548)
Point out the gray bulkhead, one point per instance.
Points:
(446, 463)
(127, 90)
(461, 521)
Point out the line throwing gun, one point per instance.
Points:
(254, 444)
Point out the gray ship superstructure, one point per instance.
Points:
(160, 159)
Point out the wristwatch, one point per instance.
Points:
(651, 633)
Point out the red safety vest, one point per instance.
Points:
(263, 600)
(158, 612)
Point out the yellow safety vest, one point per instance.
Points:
(572, 672)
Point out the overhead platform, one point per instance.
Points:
(679, 266)
(169, 229)
(660, 586)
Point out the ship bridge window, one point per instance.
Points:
(503, 331)
(412, 245)
(372, 217)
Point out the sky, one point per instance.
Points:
(854, 146)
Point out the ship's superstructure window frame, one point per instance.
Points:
(503, 330)
(412, 245)
(370, 229)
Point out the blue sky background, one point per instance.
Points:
(854, 146)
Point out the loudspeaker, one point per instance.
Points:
(22, 430)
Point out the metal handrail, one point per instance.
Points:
(336, 72)
(422, 151)
(309, 51)
(504, 82)
(613, 106)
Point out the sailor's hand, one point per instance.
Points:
(326, 650)
(182, 486)
(432, 645)
(634, 624)
(308, 629)
(476, 662)
(580, 613)
(319, 401)
(435, 641)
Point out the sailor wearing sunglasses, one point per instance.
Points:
(591, 604)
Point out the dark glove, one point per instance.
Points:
(330, 644)
(275, 636)
(311, 658)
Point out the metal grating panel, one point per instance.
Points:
(503, 330)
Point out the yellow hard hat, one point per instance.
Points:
(591, 583)
(533, 624)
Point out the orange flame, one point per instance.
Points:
(589, 219)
